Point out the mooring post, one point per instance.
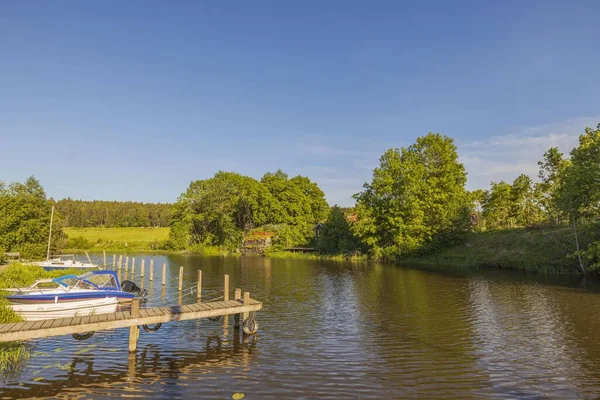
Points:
(164, 274)
(180, 284)
(236, 318)
(199, 286)
(132, 268)
(134, 330)
(142, 269)
(226, 288)
(119, 266)
(126, 266)
(104, 256)
(114, 261)
(151, 269)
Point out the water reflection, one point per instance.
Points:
(90, 374)
(343, 330)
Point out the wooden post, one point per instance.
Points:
(226, 288)
(246, 303)
(134, 330)
(151, 269)
(142, 268)
(199, 288)
(236, 318)
(104, 256)
(180, 284)
(126, 266)
(119, 267)
(164, 274)
(114, 261)
(132, 267)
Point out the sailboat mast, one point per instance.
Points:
(50, 235)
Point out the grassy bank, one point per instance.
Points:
(116, 239)
(19, 275)
(540, 250)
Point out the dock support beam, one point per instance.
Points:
(132, 268)
(142, 269)
(151, 269)
(164, 274)
(134, 331)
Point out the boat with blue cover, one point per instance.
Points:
(72, 288)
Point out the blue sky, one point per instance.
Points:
(133, 100)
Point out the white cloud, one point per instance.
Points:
(506, 156)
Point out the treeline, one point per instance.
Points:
(25, 220)
(109, 214)
(417, 201)
(222, 210)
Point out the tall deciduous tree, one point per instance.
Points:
(497, 206)
(581, 189)
(336, 236)
(25, 219)
(218, 211)
(552, 173)
(416, 193)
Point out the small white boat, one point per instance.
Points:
(36, 312)
(62, 262)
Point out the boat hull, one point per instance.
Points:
(37, 312)
(54, 296)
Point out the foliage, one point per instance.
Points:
(580, 191)
(25, 220)
(552, 174)
(416, 193)
(301, 202)
(221, 210)
(79, 242)
(97, 213)
(336, 236)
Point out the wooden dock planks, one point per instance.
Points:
(64, 326)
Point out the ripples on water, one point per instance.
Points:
(334, 330)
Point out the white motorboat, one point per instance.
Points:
(66, 261)
(40, 311)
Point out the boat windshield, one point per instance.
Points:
(104, 281)
(76, 283)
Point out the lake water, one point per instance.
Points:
(341, 330)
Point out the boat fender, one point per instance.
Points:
(153, 329)
(82, 336)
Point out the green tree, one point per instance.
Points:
(336, 236)
(525, 210)
(552, 173)
(580, 191)
(302, 205)
(218, 211)
(416, 194)
(25, 219)
(497, 206)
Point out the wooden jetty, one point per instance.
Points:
(242, 307)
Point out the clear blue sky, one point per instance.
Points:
(132, 100)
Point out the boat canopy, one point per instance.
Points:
(101, 280)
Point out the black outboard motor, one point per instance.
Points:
(130, 287)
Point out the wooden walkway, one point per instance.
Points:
(243, 308)
(147, 316)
